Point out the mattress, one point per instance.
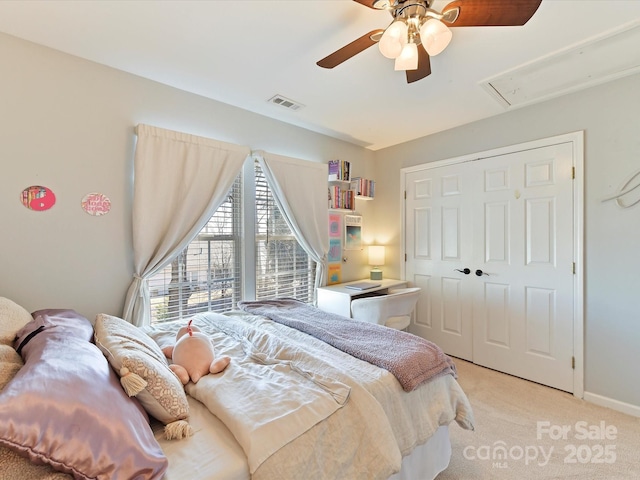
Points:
(213, 453)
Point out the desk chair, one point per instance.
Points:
(392, 310)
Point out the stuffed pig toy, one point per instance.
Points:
(193, 355)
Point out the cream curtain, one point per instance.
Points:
(300, 190)
(180, 181)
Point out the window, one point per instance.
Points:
(206, 275)
(283, 268)
(209, 275)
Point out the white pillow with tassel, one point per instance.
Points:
(144, 373)
(12, 318)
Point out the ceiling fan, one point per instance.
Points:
(416, 23)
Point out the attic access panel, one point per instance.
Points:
(590, 63)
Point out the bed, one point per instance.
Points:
(288, 406)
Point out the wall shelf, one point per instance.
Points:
(344, 189)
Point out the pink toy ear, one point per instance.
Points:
(168, 351)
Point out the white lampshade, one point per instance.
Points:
(435, 36)
(376, 255)
(408, 59)
(393, 39)
(376, 258)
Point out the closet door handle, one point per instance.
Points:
(466, 271)
(481, 273)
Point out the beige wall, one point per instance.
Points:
(610, 117)
(68, 124)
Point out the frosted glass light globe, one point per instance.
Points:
(435, 36)
(408, 59)
(393, 39)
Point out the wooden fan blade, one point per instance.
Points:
(366, 3)
(492, 13)
(351, 49)
(424, 67)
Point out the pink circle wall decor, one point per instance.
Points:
(37, 198)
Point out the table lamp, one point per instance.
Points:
(376, 259)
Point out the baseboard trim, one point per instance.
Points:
(629, 409)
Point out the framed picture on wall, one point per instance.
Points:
(334, 225)
(335, 274)
(352, 232)
(335, 250)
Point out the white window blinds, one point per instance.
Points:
(208, 274)
(283, 268)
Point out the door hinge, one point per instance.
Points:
(573, 173)
(405, 257)
(405, 194)
(573, 363)
(574, 268)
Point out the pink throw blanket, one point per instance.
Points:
(411, 359)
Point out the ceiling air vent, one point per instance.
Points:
(285, 102)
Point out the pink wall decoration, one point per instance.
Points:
(37, 198)
(335, 230)
(96, 204)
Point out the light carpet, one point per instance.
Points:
(528, 431)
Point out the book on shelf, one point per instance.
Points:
(340, 198)
(334, 169)
(339, 170)
(363, 187)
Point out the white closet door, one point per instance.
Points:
(508, 220)
(439, 244)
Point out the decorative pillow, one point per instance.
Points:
(12, 318)
(8, 366)
(65, 408)
(133, 354)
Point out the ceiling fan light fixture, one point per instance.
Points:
(408, 59)
(381, 4)
(415, 22)
(435, 36)
(393, 39)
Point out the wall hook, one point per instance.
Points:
(625, 190)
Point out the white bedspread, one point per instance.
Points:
(265, 399)
(414, 416)
(321, 434)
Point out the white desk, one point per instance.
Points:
(337, 298)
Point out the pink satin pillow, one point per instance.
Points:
(66, 408)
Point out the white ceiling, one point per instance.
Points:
(242, 52)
